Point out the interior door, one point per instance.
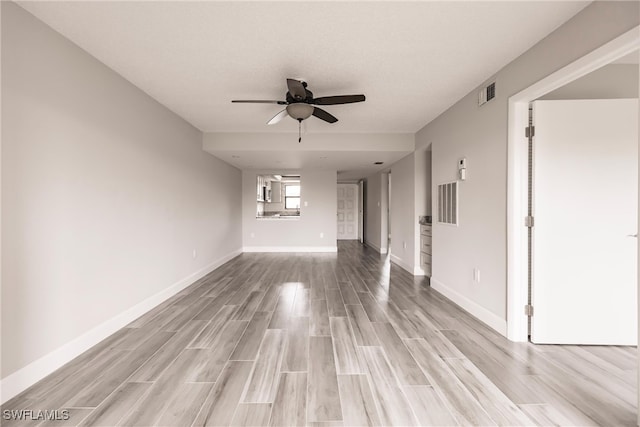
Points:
(585, 200)
(347, 211)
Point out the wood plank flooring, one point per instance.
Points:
(328, 340)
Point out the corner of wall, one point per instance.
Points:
(24, 378)
(401, 263)
(493, 321)
(375, 247)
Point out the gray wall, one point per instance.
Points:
(105, 194)
(376, 208)
(612, 81)
(423, 179)
(384, 210)
(480, 135)
(318, 189)
(404, 221)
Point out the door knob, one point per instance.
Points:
(633, 235)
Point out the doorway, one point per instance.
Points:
(584, 187)
(517, 180)
(347, 215)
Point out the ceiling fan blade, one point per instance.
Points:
(342, 99)
(323, 115)
(296, 89)
(248, 101)
(282, 114)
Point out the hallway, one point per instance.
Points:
(326, 340)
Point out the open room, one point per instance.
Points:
(323, 213)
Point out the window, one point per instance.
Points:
(277, 196)
(448, 203)
(292, 196)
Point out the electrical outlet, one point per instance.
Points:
(253, 235)
(404, 245)
(195, 254)
(322, 235)
(476, 275)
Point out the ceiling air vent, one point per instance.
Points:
(487, 94)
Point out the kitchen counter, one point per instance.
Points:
(275, 217)
(278, 215)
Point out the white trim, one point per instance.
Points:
(400, 262)
(490, 319)
(24, 378)
(376, 248)
(517, 170)
(415, 271)
(290, 249)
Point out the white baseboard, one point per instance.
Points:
(290, 249)
(473, 308)
(376, 248)
(416, 271)
(399, 261)
(24, 378)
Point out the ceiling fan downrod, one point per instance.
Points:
(299, 131)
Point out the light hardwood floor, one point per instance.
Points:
(326, 340)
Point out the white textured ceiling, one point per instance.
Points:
(352, 155)
(412, 60)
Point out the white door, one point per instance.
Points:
(585, 209)
(347, 211)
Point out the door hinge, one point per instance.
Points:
(528, 221)
(528, 310)
(530, 131)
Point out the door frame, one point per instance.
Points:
(517, 170)
(361, 213)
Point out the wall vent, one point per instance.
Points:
(448, 203)
(487, 94)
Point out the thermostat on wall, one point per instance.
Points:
(462, 169)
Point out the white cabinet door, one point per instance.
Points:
(585, 208)
(276, 192)
(347, 211)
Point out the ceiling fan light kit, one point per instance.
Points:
(300, 104)
(300, 110)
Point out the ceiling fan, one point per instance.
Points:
(300, 104)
